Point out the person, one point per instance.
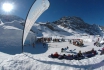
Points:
(56, 55)
(33, 45)
(67, 47)
(69, 57)
(93, 51)
(62, 56)
(98, 39)
(102, 51)
(62, 49)
(103, 43)
(69, 41)
(95, 43)
(51, 56)
(44, 44)
(103, 48)
(79, 54)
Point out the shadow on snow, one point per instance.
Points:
(38, 49)
(90, 66)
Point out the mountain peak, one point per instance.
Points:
(77, 24)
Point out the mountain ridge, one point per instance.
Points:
(64, 24)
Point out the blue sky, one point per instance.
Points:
(91, 11)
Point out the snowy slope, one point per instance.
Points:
(43, 30)
(28, 61)
(11, 36)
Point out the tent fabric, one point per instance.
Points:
(36, 10)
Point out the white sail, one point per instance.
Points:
(36, 10)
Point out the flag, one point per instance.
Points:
(36, 10)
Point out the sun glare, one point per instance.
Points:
(7, 7)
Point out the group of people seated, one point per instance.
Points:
(78, 42)
(77, 56)
(44, 39)
(90, 53)
(58, 40)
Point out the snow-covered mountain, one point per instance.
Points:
(102, 27)
(67, 26)
(37, 58)
(77, 24)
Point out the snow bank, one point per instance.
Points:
(27, 61)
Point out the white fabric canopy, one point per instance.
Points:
(36, 10)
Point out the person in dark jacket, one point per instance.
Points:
(62, 56)
(79, 54)
(62, 49)
(55, 55)
(93, 51)
(69, 57)
(90, 53)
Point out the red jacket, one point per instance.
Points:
(56, 55)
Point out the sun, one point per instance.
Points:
(7, 7)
